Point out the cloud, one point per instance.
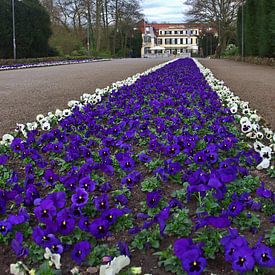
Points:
(164, 11)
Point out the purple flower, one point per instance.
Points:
(263, 192)
(101, 203)
(17, 245)
(99, 228)
(42, 237)
(87, 184)
(3, 159)
(80, 251)
(153, 198)
(46, 211)
(58, 199)
(80, 198)
(50, 177)
(124, 249)
(65, 222)
(263, 256)
(122, 199)
(127, 163)
(84, 224)
(243, 260)
(235, 208)
(105, 152)
(144, 158)
(111, 215)
(131, 179)
(193, 263)
(5, 227)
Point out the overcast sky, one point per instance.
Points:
(163, 11)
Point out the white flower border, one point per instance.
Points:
(48, 64)
(252, 126)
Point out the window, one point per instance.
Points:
(167, 41)
(181, 41)
(176, 32)
(181, 32)
(186, 40)
(147, 39)
(159, 41)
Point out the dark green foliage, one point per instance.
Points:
(32, 28)
(208, 44)
(251, 35)
(259, 28)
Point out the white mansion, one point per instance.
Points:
(169, 38)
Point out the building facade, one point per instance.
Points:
(169, 39)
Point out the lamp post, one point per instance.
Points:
(13, 31)
(242, 32)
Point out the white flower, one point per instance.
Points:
(251, 135)
(53, 258)
(7, 139)
(73, 103)
(114, 267)
(264, 164)
(234, 109)
(32, 126)
(75, 270)
(260, 135)
(66, 112)
(258, 146)
(20, 127)
(246, 127)
(46, 126)
(18, 269)
(58, 113)
(39, 117)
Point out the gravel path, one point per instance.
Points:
(252, 83)
(25, 93)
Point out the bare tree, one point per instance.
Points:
(220, 14)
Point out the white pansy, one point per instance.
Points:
(115, 266)
(66, 112)
(252, 135)
(73, 103)
(53, 258)
(256, 127)
(266, 152)
(258, 146)
(32, 126)
(19, 268)
(244, 120)
(7, 139)
(234, 109)
(264, 164)
(39, 117)
(46, 126)
(20, 127)
(255, 117)
(246, 127)
(260, 135)
(58, 113)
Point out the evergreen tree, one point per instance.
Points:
(251, 39)
(263, 20)
(32, 28)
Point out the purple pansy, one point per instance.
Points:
(153, 198)
(99, 228)
(80, 198)
(80, 251)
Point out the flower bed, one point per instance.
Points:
(153, 165)
(47, 64)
